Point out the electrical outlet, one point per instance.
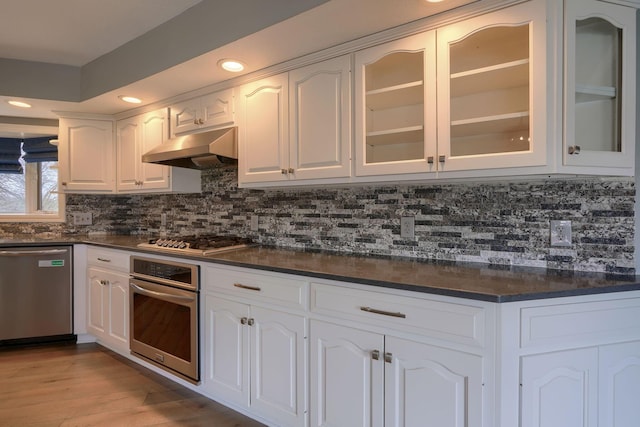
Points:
(560, 233)
(82, 218)
(407, 227)
(255, 223)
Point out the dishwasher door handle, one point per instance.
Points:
(38, 252)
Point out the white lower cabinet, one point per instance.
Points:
(579, 362)
(560, 389)
(108, 297)
(361, 378)
(108, 309)
(255, 358)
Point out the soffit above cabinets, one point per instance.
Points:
(178, 63)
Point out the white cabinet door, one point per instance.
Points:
(395, 107)
(619, 384)
(560, 389)
(108, 307)
(127, 154)
(263, 125)
(431, 386)
(278, 366)
(226, 363)
(199, 114)
(320, 120)
(118, 288)
(86, 154)
(97, 306)
(492, 90)
(347, 376)
(600, 94)
(154, 131)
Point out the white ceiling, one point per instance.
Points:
(77, 32)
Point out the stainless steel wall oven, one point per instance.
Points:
(164, 315)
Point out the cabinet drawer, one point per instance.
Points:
(458, 323)
(108, 258)
(268, 288)
(588, 323)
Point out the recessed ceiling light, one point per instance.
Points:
(231, 65)
(19, 104)
(130, 99)
(434, 1)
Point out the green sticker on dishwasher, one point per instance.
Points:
(51, 263)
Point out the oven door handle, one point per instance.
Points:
(167, 297)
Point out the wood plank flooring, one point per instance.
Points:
(88, 385)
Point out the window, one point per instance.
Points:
(29, 189)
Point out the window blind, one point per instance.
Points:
(39, 150)
(10, 154)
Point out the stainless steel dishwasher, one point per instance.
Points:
(36, 298)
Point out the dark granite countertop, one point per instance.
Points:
(467, 280)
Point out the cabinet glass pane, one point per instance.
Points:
(598, 78)
(489, 87)
(395, 108)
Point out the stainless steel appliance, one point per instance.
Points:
(196, 245)
(36, 298)
(164, 315)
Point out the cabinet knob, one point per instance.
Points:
(430, 160)
(284, 171)
(291, 170)
(200, 121)
(574, 149)
(441, 159)
(388, 357)
(63, 183)
(251, 321)
(243, 321)
(375, 355)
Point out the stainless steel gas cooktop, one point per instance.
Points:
(196, 245)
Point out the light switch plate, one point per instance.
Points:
(560, 233)
(84, 218)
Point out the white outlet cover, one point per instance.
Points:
(560, 233)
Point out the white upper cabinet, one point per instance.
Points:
(395, 111)
(136, 136)
(320, 120)
(600, 82)
(86, 156)
(492, 85)
(296, 126)
(209, 111)
(263, 141)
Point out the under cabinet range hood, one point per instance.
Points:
(196, 151)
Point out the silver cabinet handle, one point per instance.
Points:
(243, 321)
(441, 159)
(103, 259)
(291, 170)
(383, 312)
(388, 357)
(251, 288)
(375, 355)
(251, 321)
(574, 149)
(283, 171)
(430, 160)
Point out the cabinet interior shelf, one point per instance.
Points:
(487, 79)
(588, 93)
(410, 134)
(501, 123)
(411, 93)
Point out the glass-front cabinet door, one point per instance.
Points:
(396, 107)
(599, 85)
(492, 90)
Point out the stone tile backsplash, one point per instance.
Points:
(492, 222)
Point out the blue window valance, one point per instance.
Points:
(30, 150)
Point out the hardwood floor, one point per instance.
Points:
(88, 385)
